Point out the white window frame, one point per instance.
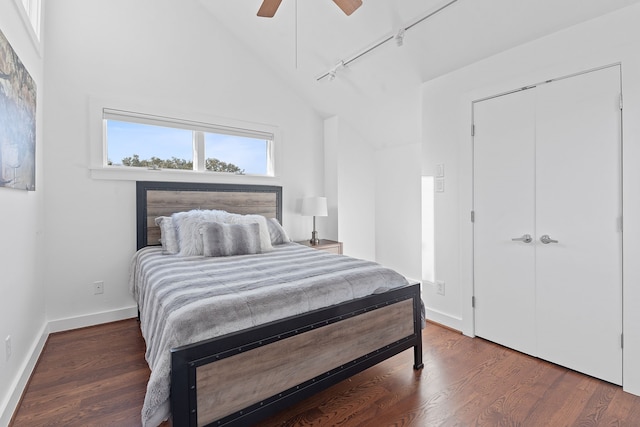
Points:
(101, 110)
(31, 13)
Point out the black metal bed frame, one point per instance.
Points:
(186, 359)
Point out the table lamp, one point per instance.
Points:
(314, 206)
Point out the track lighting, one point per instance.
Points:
(398, 37)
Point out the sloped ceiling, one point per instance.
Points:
(378, 94)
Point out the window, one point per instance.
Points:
(135, 140)
(32, 8)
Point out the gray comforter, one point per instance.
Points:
(184, 300)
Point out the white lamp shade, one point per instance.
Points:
(314, 206)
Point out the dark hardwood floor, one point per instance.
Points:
(97, 377)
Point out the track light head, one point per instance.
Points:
(399, 37)
(334, 70)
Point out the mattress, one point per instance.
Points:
(184, 300)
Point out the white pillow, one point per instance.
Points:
(168, 236)
(265, 239)
(276, 232)
(188, 224)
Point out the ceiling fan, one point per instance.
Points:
(269, 7)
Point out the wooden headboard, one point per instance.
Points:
(154, 199)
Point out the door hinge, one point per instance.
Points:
(621, 340)
(473, 302)
(473, 216)
(621, 101)
(620, 224)
(473, 130)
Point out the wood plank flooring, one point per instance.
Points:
(97, 377)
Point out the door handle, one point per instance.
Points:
(546, 239)
(526, 238)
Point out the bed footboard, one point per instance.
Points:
(241, 378)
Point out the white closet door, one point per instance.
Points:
(504, 276)
(578, 199)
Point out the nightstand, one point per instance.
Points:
(325, 245)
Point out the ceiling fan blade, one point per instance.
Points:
(348, 6)
(269, 8)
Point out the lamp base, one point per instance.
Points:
(314, 238)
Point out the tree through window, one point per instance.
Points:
(152, 142)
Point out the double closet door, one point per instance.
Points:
(548, 222)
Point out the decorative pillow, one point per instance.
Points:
(230, 239)
(265, 239)
(188, 224)
(276, 232)
(168, 236)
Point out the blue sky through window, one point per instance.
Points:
(249, 154)
(124, 139)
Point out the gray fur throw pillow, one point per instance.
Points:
(230, 239)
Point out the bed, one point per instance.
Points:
(319, 329)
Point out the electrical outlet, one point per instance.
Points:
(440, 287)
(98, 287)
(7, 346)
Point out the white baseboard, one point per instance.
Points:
(20, 383)
(444, 319)
(17, 388)
(92, 319)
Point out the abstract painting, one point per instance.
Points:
(17, 121)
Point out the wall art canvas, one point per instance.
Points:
(17, 121)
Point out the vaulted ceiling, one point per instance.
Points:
(378, 93)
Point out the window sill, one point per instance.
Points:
(136, 174)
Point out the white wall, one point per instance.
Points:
(446, 113)
(398, 209)
(350, 188)
(22, 304)
(163, 54)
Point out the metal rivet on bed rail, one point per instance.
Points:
(191, 365)
(192, 387)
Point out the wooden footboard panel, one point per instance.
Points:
(241, 378)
